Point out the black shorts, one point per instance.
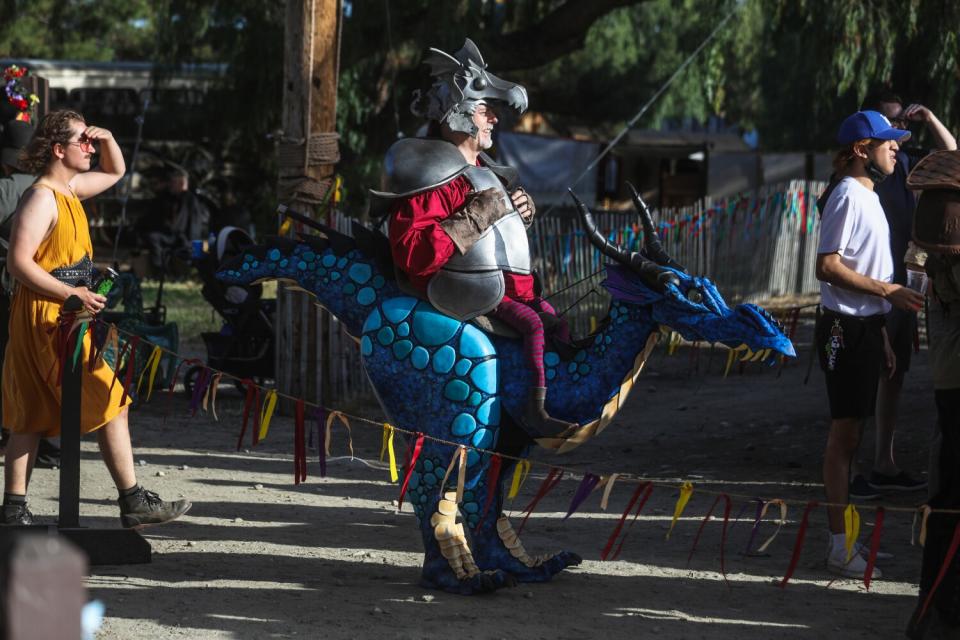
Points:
(850, 350)
(901, 329)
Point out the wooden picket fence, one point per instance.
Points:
(754, 246)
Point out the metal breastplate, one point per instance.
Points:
(472, 284)
(502, 246)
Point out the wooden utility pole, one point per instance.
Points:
(308, 152)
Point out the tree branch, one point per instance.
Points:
(562, 31)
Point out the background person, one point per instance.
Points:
(173, 218)
(937, 236)
(855, 269)
(51, 259)
(898, 205)
(14, 181)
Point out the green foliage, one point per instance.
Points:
(820, 59)
(82, 30)
(628, 55)
(790, 68)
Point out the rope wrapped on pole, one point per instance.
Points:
(321, 148)
(296, 156)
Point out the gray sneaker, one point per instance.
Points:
(143, 508)
(17, 515)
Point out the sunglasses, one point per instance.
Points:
(85, 143)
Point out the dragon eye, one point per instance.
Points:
(479, 84)
(694, 295)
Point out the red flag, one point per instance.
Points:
(643, 500)
(798, 545)
(493, 477)
(417, 447)
(548, 483)
(947, 561)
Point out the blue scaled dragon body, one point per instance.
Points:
(456, 383)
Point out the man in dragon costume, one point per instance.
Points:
(436, 368)
(458, 220)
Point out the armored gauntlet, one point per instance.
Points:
(466, 225)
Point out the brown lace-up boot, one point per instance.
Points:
(140, 508)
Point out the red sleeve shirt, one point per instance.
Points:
(420, 247)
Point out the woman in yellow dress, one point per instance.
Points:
(51, 259)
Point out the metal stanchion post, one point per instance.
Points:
(102, 546)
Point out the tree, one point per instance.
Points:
(792, 69)
(104, 30)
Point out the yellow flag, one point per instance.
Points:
(685, 492)
(152, 363)
(269, 404)
(519, 476)
(394, 475)
(383, 440)
(851, 528)
(157, 355)
(673, 343)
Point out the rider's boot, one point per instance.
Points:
(538, 421)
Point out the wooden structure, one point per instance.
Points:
(307, 155)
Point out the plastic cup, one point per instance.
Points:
(917, 280)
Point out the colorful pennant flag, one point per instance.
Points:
(686, 490)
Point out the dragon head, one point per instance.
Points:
(461, 82)
(690, 305)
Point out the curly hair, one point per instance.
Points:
(53, 129)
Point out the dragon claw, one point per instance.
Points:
(506, 553)
(544, 571)
(479, 583)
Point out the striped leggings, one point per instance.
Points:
(523, 317)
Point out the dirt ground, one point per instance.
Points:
(258, 557)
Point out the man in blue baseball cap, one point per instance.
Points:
(855, 269)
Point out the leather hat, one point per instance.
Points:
(939, 170)
(936, 222)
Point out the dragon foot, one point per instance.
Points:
(440, 578)
(456, 571)
(510, 556)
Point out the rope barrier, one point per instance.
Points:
(568, 472)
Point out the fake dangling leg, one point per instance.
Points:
(454, 569)
(497, 545)
(557, 325)
(536, 421)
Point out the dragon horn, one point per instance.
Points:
(596, 238)
(651, 242)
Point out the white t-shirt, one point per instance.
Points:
(854, 225)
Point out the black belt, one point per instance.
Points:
(875, 321)
(75, 275)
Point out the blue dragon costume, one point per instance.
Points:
(463, 382)
(452, 381)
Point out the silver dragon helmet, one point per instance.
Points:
(461, 82)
